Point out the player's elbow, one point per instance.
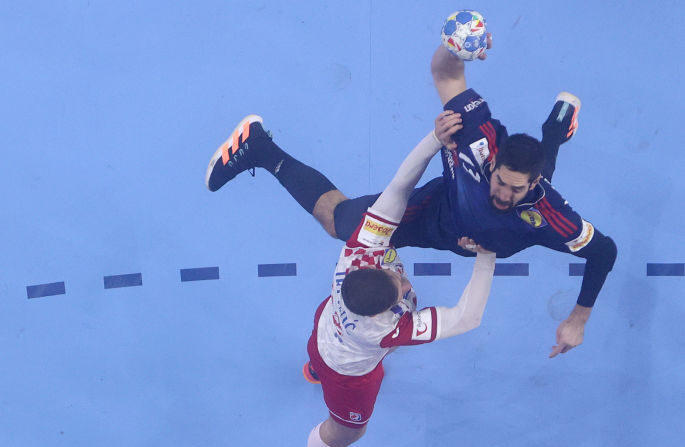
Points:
(608, 251)
(470, 323)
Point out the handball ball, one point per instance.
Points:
(463, 34)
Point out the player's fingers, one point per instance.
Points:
(464, 242)
(456, 118)
(556, 349)
(488, 39)
(467, 244)
(454, 127)
(451, 117)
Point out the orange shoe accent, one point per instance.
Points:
(236, 142)
(574, 122)
(225, 152)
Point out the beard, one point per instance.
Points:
(509, 205)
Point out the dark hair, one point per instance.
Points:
(368, 291)
(521, 153)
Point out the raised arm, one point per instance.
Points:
(466, 315)
(393, 200)
(448, 72)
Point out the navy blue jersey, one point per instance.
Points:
(458, 204)
(543, 217)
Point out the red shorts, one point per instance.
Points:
(350, 399)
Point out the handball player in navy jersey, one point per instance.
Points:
(495, 189)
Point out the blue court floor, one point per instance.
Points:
(139, 309)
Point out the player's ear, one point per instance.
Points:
(535, 182)
(492, 163)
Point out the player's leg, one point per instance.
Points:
(331, 434)
(560, 126)
(350, 399)
(250, 146)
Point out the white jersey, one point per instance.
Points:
(352, 344)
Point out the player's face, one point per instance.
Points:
(508, 188)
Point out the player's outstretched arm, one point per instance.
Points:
(448, 72)
(392, 202)
(600, 255)
(467, 314)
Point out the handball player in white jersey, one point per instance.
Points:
(372, 306)
(372, 309)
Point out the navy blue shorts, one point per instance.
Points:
(426, 221)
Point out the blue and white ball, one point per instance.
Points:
(463, 34)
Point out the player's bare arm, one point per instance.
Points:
(448, 72)
(466, 315)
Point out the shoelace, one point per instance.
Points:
(235, 159)
(241, 151)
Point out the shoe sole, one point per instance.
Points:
(307, 376)
(231, 144)
(572, 99)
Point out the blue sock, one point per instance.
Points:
(304, 183)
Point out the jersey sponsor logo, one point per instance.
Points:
(583, 239)
(375, 232)
(473, 105)
(423, 325)
(389, 256)
(480, 150)
(377, 228)
(533, 218)
(355, 417)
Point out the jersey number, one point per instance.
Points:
(470, 167)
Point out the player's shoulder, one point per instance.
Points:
(552, 195)
(556, 214)
(356, 257)
(413, 328)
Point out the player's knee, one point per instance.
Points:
(335, 434)
(324, 210)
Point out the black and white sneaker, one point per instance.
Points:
(562, 122)
(236, 154)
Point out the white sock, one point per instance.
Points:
(315, 438)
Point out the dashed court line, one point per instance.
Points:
(290, 269)
(128, 280)
(199, 274)
(266, 270)
(666, 269)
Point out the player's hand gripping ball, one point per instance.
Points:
(463, 34)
